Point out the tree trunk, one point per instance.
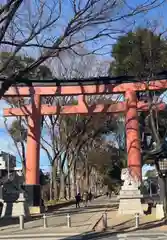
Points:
(82, 184)
(78, 190)
(91, 181)
(23, 159)
(69, 182)
(73, 181)
(86, 176)
(62, 180)
(51, 184)
(62, 185)
(56, 189)
(55, 182)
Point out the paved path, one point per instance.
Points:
(81, 220)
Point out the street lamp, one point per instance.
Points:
(163, 166)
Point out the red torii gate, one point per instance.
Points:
(34, 111)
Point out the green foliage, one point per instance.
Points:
(108, 162)
(18, 131)
(141, 53)
(19, 62)
(150, 174)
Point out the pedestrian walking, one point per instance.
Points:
(78, 199)
(90, 196)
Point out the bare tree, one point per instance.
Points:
(67, 135)
(49, 28)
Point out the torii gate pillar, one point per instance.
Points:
(33, 153)
(132, 135)
(130, 196)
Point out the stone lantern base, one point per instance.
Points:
(130, 201)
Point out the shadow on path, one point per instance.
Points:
(6, 221)
(112, 233)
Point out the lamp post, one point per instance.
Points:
(162, 164)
